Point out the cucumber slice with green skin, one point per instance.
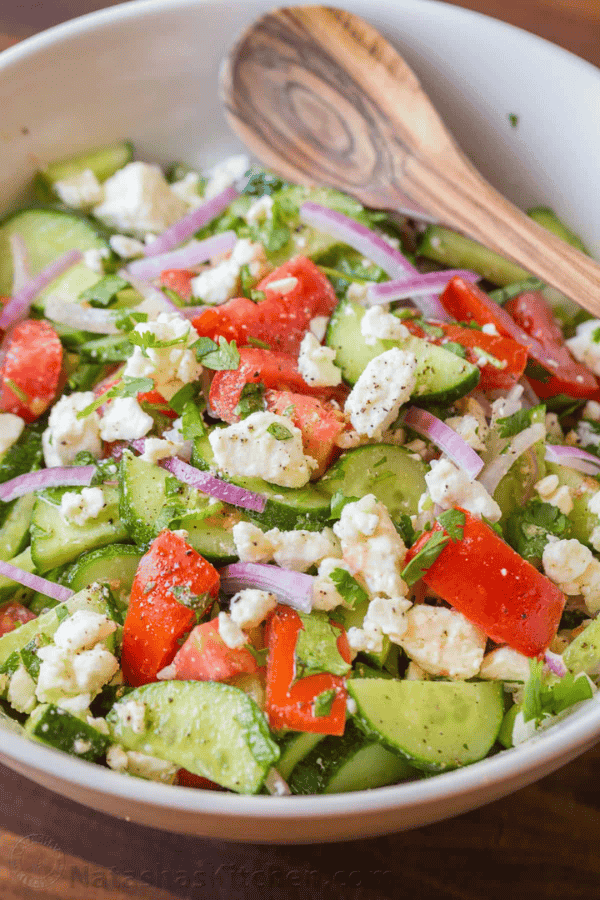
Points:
(286, 508)
(67, 286)
(103, 162)
(8, 586)
(114, 566)
(389, 472)
(508, 723)
(14, 533)
(548, 219)
(353, 762)
(46, 233)
(454, 251)
(55, 540)
(583, 653)
(25, 455)
(441, 376)
(92, 599)
(437, 725)
(60, 729)
(144, 496)
(581, 488)
(294, 748)
(209, 728)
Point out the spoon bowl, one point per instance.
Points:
(321, 97)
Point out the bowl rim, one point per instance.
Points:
(572, 736)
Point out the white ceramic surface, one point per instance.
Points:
(147, 71)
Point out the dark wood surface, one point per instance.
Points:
(542, 842)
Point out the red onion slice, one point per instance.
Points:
(20, 263)
(495, 470)
(18, 306)
(190, 224)
(215, 487)
(371, 245)
(84, 318)
(193, 254)
(154, 302)
(555, 663)
(444, 437)
(573, 458)
(59, 476)
(48, 588)
(292, 588)
(416, 285)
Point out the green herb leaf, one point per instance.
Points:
(221, 358)
(453, 523)
(528, 528)
(511, 425)
(280, 432)
(540, 699)
(126, 387)
(532, 693)
(431, 330)
(323, 702)
(126, 319)
(348, 587)
(258, 297)
(503, 295)
(513, 119)
(17, 391)
(489, 359)
(252, 399)
(455, 348)
(192, 423)
(184, 395)
(338, 502)
(316, 647)
(255, 341)
(405, 529)
(104, 292)
(425, 558)
(537, 372)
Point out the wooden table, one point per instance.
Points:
(542, 841)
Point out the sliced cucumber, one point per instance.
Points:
(144, 500)
(294, 747)
(441, 376)
(286, 508)
(14, 533)
(391, 473)
(8, 587)
(437, 725)
(60, 729)
(353, 762)
(67, 286)
(210, 728)
(55, 540)
(583, 653)
(455, 251)
(114, 566)
(46, 233)
(103, 163)
(581, 488)
(24, 455)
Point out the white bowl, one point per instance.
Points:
(148, 71)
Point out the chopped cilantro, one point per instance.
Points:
(511, 425)
(529, 527)
(147, 340)
(405, 529)
(220, 357)
(323, 702)
(104, 292)
(348, 587)
(455, 348)
(255, 341)
(192, 423)
(316, 647)
(260, 182)
(184, 395)
(425, 558)
(453, 523)
(338, 502)
(127, 319)
(17, 391)
(537, 372)
(126, 387)
(252, 399)
(513, 119)
(280, 432)
(540, 699)
(258, 297)
(62, 613)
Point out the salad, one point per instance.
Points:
(293, 498)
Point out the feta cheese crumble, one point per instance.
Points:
(11, 428)
(172, 366)
(316, 363)
(79, 507)
(138, 200)
(220, 283)
(443, 642)
(80, 191)
(230, 632)
(297, 550)
(250, 607)
(124, 420)
(585, 345)
(66, 435)
(379, 324)
(383, 387)
(224, 174)
(449, 486)
(573, 567)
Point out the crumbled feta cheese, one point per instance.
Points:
(449, 486)
(372, 547)
(467, 427)
(357, 293)
(150, 767)
(505, 664)
(82, 630)
(66, 435)
(132, 714)
(318, 327)
(116, 758)
(137, 199)
(124, 420)
(93, 258)
(507, 405)
(591, 410)
(325, 595)
(156, 449)
(219, 283)
(230, 632)
(261, 209)
(248, 448)
(224, 174)
(251, 543)
(586, 435)
(351, 706)
(595, 538)
(585, 346)
(443, 642)
(172, 366)
(283, 285)
(11, 428)
(56, 674)
(299, 550)
(316, 363)
(126, 247)
(575, 570)
(365, 640)
(79, 507)
(594, 503)
(389, 615)
(77, 705)
(250, 607)
(93, 668)
(490, 328)
(550, 492)
(188, 189)
(553, 427)
(81, 747)
(383, 387)
(378, 324)
(80, 191)
(21, 691)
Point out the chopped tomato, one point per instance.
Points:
(178, 280)
(495, 588)
(274, 369)
(282, 318)
(206, 657)
(170, 575)
(319, 422)
(289, 703)
(30, 373)
(189, 779)
(12, 615)
(511, 355)
(531, 312)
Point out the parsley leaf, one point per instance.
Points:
(348, 587)
(192, 423)
(127, 319)
(261, 182)
(453, 523)
(529, 527)
(104, 292)
(147, 340)
(184, 395)
(338, 502)
(540, 699)
(425, 558)
(537, 372)
(126, 387)
(252, 399)
(405, 529)
(222, 357)
(511, 425)
(256, 342)
(280, 432)
(455, 348)
(323, 702)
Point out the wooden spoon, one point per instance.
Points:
(321, 98)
